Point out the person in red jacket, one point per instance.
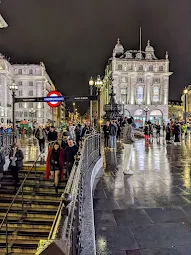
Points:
(55, 164)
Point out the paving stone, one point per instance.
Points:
(171, 200)
(161, 235)
(187, 209)
(115, 238)
(131, 217)
(164, 215)
(105, 204)
(106, 219)
(182, 250)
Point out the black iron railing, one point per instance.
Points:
(24, 206)
(67, 223)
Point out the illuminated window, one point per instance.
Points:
(124, 95)
(129, 66)
(139, 79)
(119, 67)
(30, 71)
(155, 94)
(139, 94)
(156, 80)
(31, 93)
(150, 68)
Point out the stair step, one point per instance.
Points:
(4, 197)
(17, 251)
(26, 227)
(29, 215)
(18, 206)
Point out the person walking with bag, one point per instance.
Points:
(128, 140)
(16, 163)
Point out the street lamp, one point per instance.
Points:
(91, 83)
(185, 97)
(146, 110)
(99, 84)
(32, 111)
(123, 103)
(13, 88)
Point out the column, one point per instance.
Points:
(148, 85)
(133, 94)
(165, 90)
(116, 87)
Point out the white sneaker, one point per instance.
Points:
(129, 172)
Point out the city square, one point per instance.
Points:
(95, 128)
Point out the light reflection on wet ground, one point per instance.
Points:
(149, 212)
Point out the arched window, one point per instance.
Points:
(124, 95)
(155, 94)
(30, 71)
(120, 67)
(139, 94)
(150, 68)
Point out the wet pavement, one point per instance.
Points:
(148, 213)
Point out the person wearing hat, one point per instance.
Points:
(128, 140)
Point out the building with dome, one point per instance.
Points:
(32, 81)
(141, 83)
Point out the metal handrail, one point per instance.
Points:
(67, 191)
(18, 191)
(71, 188)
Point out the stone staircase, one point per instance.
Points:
(40, 207)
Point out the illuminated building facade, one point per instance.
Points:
(32, 81)
(141, 83)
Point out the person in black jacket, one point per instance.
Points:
(16, 162)
(106, 131)
(52, 135)
(2, 163)
(69, 156)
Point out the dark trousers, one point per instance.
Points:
(106, 140)
(118, 136)
(15, 174)
(68, 168)
(41, 144)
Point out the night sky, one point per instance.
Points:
(75, 38)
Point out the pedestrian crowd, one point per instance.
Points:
(62, 150)
(174, 131)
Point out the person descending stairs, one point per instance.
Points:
(40, 204)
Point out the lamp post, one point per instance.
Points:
(91, 83)
(74, 104)
(185, 103)
(146, 110)
(13, 88)
(32, 111)
(98, 84)
(123, 103)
